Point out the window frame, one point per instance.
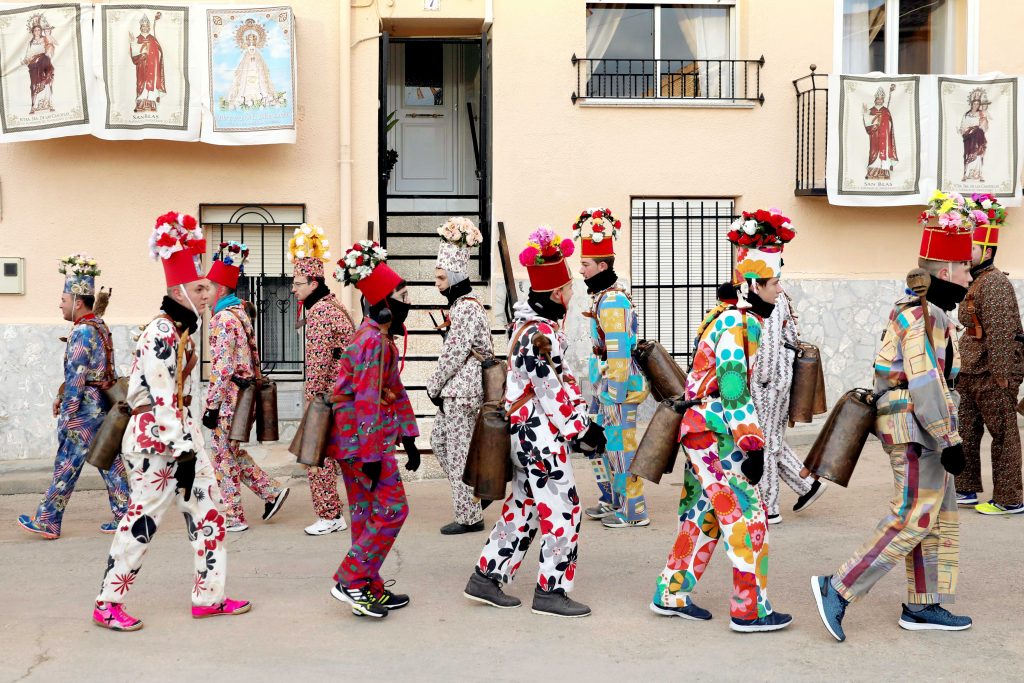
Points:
(892, 47)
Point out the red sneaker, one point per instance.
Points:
(226, 607)
(111, 615)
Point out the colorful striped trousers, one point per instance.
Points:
(922, 529)
(618, 487)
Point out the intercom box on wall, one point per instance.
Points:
(12, 275)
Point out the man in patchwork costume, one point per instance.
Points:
(619, 386)
(456, 386)
(724, 444)
(917, 424)
(80, 406)
(372, 413)
(548, 417)
(328, 328)
(992, 361)
(234, 362)
(163, 446)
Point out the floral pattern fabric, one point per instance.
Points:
(230, 356)
(449, 439)
(235, 467)
(458, 372)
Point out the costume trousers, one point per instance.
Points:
(235, 467)
(377, 517)
(611, 469)
(984, 404)
(718, 502)
(453, 429)
(323, 488)
(543, 497)
(922, 530)
(67, 467)
(153, 493)
(779, 460)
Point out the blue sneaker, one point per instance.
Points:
(933, 618)
(966, 498)
(691, 611)
(776, 621)
(831, 605)
(108, 527)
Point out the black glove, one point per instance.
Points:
(591, 441)
(409, 443)
(210, 418)
(372, 470)
(242, 382)
(437, 401)
(336, 353)
(953, 460)
(753, 466)
(185, 473)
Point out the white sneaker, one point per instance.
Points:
(326, 526)
(237, 527)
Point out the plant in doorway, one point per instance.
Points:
(391, 156)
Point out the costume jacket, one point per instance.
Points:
(614, 373)
(991, 311)
(458, 372)
(328, 331)
(230, 356)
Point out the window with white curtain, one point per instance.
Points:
(897, 36)
(660, 50)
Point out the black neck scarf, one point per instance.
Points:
(602, 281)
(982, 267)
(945, 294)
(759, 306)
(183, 317)
(459, 289)
(544, 306)
(320, 292)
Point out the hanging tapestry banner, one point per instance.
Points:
(250, 88)
(44, 81)
(150, 61)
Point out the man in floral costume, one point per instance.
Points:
(993, 367)
(548, 416)
(233, 365)
(81, 406)
(328, 329)
(372, 413)
(724, 444)
(163, 445)
(619, 386)
(456, 386)
(917, 424)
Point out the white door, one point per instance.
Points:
(422, 89)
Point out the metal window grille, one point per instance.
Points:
(679, 257)
(265, 281)
(811, 133)
(734, 80)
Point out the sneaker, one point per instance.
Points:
(108, 527)
(32, 526)
(363, 602)
(994, 508)
(691, 611)
(322, 527)
(271, 508)
(111, 615)
(227, 607)
(776, 621)
(617, 521)
(600, 511)
(933, 618)
(488, 591)
(966, 498)
(456, 528)
(391, 600)
(557, 603)
(236, 528)
(805, 501)
(831, 605)
(775, 519)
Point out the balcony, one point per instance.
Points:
(811, 133)
(668, 81)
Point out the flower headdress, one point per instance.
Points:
(173, 233)
(761, 229)
(359, 261)
(78, 265)
(308, 241)
(544, 246)
(602, 224)
(953, 212)
(461, 232)
(232, 254)
(988, 204)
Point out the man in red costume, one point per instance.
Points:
(878, 124)
(148, 57)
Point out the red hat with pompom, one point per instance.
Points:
(544, 258)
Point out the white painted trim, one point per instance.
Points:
(664, 102)
(892, 30)
(666, 2)
(973, 37)
(838, 12)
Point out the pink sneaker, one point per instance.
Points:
(226, 607)
(112, 615)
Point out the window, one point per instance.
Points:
(679, 257)
(661, 51)
(897, 36)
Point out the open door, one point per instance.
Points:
(382, 143)
(485, 151)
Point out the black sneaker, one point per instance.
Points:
(488, 591)
(271, 509)
(776, 621)
(933, 618)
(455, 528)
(363, 602)
(392, 600)
(556, 603)
(691, 611)
(805, 501)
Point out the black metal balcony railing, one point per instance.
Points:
(733, 80)
(811, 133)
